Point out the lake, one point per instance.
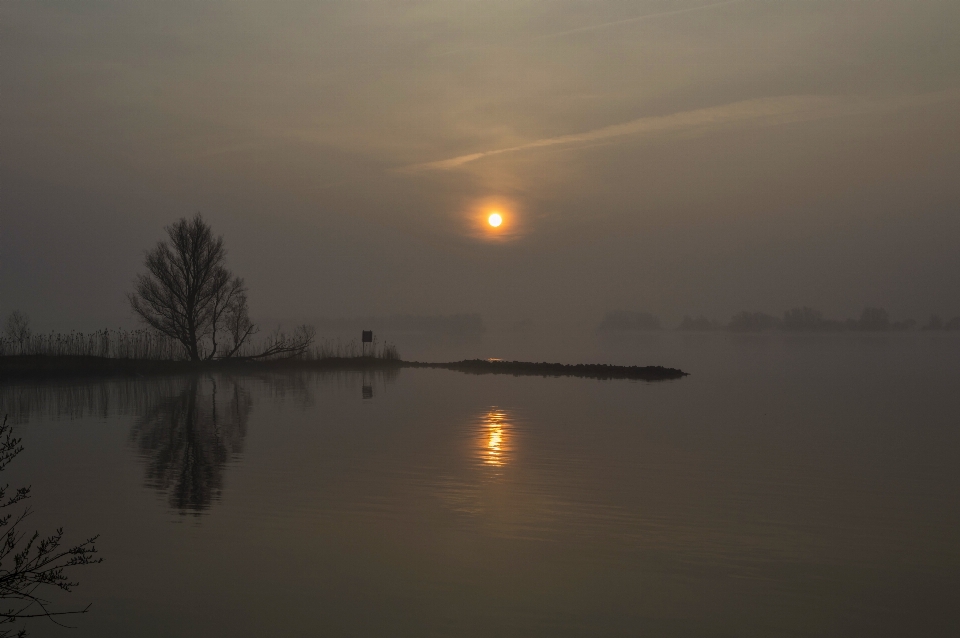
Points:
(793, 485)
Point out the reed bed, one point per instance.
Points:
(146, 345)
(109, 343)
(352, 349)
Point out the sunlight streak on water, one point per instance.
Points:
(495, 440)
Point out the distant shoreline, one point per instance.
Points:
(39, 367)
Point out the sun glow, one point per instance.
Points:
(493, 219)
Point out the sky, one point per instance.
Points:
(669, 156)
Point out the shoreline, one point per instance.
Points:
(40, 367)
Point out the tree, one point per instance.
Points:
(31, 564)
(18, 329)
(746, 321)
(698, 324)
(188, 294)
(874, 319)
(625, 320)
(802, 319)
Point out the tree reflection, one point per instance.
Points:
(188, 436)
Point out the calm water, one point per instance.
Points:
(792, 486)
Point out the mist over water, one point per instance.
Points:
(686, 156)
(761, 194)
(792, 485)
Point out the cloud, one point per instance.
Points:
(615, 23)
(607, 25)
(757, 112)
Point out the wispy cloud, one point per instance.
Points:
(640, 18)
(758, 112)
(608, 25)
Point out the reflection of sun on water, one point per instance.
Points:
(495, 436)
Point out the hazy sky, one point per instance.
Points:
(673, 156)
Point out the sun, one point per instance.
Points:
(493, 219)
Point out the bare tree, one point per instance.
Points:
(29, 563)
(18, 329)
(238, 325)
(189, 295)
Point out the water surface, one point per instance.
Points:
(791, 486)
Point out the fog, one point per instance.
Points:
(672, 157)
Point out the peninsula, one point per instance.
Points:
(17, 367)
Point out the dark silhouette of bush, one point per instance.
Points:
(626, 321)
(752, 322)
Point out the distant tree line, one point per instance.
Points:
(461, 325)
(622, 320)
(802, 319)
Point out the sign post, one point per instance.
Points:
(366, 337)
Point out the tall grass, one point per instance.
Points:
(115, 344)
(329, 349)
(148, 345)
